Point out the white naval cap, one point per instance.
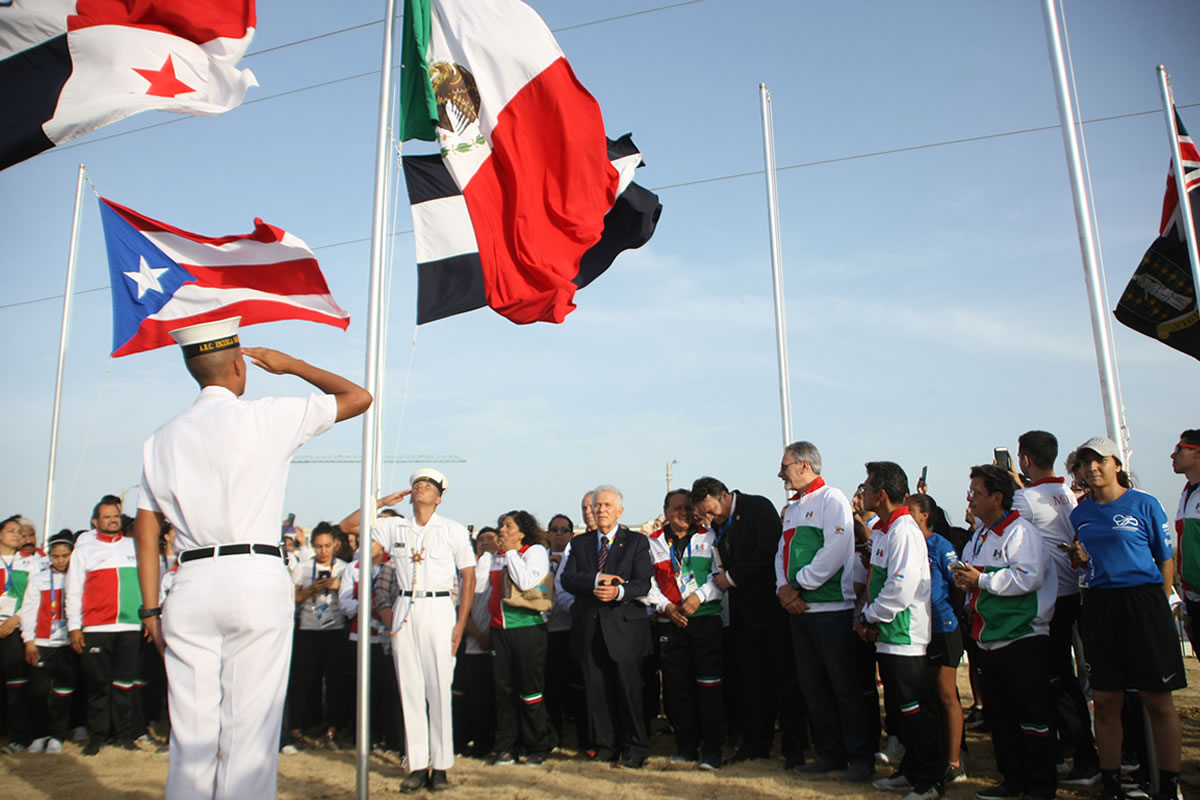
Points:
(431, 475)
(207, 337)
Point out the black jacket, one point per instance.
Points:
(624, 623)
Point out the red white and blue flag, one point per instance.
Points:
(165, 278)
(68, 67)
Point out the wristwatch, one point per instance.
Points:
(146, 613)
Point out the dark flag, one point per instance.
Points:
(450, 275)
(1160, 300)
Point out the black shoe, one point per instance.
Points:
(125, 743)
(998, 792)
(821, 765)
(793, 761)
(535, 759)
(93, 746)
(859, 772)
(601, 754)
(414, 781)
(503, 759)
(745, 754)
(631, 762)
(437, 781)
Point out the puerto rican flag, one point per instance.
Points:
(68, 67)
(165, 278)
(522, 139)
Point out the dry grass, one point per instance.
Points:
(318, 775)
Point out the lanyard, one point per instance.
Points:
(676, 561)
(979, 542)
(55, 594)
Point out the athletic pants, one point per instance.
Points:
(110, 666)
(322, 656)
(1071, 717)
(474, 707)
(520, 678)
(868, 691)
(906, 679)
(692, 670)
(425, 673)
(16, 685)
(386, 726)
(824, 644)
(1016, 685)
(51, 686)
(564, 689)
(227, 623)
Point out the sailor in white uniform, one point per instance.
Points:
(217, 472)
(429, 554)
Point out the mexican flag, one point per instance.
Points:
(521, 138)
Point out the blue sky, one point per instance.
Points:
(935, 298)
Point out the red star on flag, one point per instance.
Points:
(163, 82)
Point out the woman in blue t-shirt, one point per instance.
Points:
(1123, 546)
(945, 642)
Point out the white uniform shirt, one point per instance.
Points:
(426, 558)
(218, 470)
(1047, 505)
(321, 611)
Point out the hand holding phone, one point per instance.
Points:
(1003, 459)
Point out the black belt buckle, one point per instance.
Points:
(230, 550)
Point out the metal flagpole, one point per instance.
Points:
(62, 351)
(1101, 330)
(785, 394)
(1185, 200)
(383, 152)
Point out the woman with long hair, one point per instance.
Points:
(1123, 544)
(518, 639)
(945, 644)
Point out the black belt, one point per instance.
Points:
(230, 550)
(419, 594)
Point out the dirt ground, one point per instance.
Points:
(316, 775)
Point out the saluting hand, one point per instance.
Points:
(272, 361)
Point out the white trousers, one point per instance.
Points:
(228, 627)
(425, 671)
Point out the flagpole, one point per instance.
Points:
(367, 514)
(785, 395)
(1185, 199)
(1101, 330)
(62, 351)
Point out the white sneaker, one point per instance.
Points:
(53, 746)
(80, 734)
(929, 794)
(895, 782)
(39, 745)
(288, 750)
(12, 748)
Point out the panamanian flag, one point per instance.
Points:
(521, 138)
(68, 67)
(163, 278)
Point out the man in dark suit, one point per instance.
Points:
(607, 570)
(748, 530)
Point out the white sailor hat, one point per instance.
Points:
(207, 337)
(431, 475)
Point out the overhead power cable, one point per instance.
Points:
(735, 175)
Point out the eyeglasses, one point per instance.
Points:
(785, 464)
(559, 529)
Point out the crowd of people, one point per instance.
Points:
(735, 619)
